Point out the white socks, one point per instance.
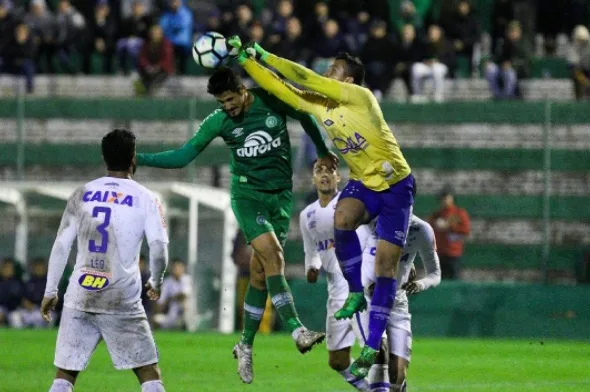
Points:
(153, 386)
(61, 385)
(359, 383)
(379, 378)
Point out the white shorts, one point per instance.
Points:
(399, 332)
(128, 338)
(341, 334)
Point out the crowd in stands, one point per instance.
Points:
(22, 289)
(414, 40)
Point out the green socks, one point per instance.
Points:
(283, 301)
(254, 304)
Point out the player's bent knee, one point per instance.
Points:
(339, 360)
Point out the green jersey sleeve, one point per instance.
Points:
(174, 159)
(307, 121)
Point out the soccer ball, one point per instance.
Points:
(209, 50)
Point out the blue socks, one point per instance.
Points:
(380, 310)
(350, 257)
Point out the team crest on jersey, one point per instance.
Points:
(260, 220)
(271, 122)
(108, 197)
(237, 132)
(94, 280)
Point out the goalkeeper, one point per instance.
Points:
(381, 184)
(253, 125)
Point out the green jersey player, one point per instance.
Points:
(253, 125)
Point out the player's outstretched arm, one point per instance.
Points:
(60, 252)
(312, 258)
(431, 264)
(297, 73)
(179, 158)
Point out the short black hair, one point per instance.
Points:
(354, 67)
(224, 79)
(118, 149)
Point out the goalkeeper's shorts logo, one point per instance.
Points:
(93, 281)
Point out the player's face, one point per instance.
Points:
(325, 178)
(232, 102)
(338, 71)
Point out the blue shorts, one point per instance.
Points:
(392, 207)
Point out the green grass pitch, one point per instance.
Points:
(203, 362)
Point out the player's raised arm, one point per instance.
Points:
(157, 238)
(175, 159)
(338, 88)
(60, 252)
(312, 258)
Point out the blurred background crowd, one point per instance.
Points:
(414, 40)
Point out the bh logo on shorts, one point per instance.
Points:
(93, 281)
(258, 143)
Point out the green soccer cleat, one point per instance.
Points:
(360, 367)
(355, 302)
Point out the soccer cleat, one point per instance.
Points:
(307, 339)
(355, 302)
(360, 368)
(243, 353)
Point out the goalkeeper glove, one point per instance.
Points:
(242, 52)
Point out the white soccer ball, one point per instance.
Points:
(209, 51)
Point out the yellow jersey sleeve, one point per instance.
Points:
(341, 92)
(304, 101)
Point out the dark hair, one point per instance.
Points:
(224, 79)
(118, 149)
(354, 67)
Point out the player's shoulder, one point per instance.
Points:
(309, 210)
(216, 116)
(422, 228)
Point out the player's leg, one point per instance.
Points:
(254, 305)
(77, 339)
(352, 210)
(392, 229)
(131, 345)
(149, 378)
(399, 333)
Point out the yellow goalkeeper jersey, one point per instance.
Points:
(350, 114)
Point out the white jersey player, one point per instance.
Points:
(109, 217)
(420, 241)
(317, 229)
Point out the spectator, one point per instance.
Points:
(28, 315)
(8, 23)
(378, 57)
(128, 8)
(283, 14)
(512, 64)
(357, 30)
(292, 46)
(451, 226)
(12, 291)
(177, 24)
(43, 28)
(408, 52)
(314, 25)
(243, 20)
(502, 14)
(133, 33)
(70, 25)
(100, 39)
(156, 62)
(171, 307)
(242, 254)
(327, 46)
(412, 12)
(439, 59)
(256, 33)
(579, 62)
(463, 30)
(19, 56)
